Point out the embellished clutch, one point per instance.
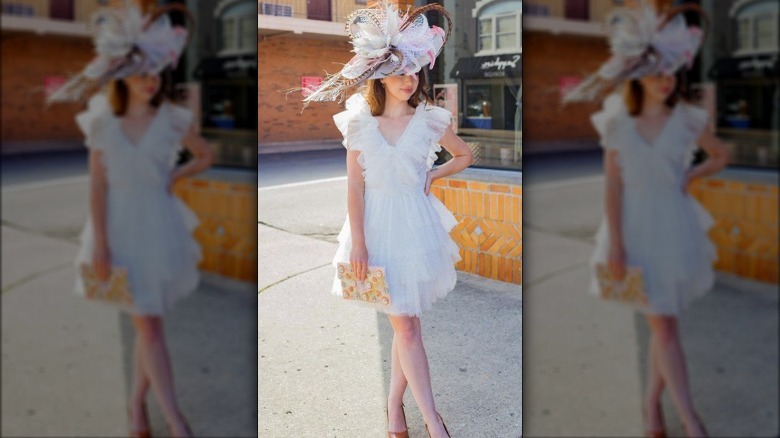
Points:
(631, 290)
(371, 290)
(114, 290)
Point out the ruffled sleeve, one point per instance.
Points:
(93, 121)
(438, 120)
(181, 119)
(696, 120)
(356, 123)
(608, 120)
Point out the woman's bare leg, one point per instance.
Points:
(395, 398)
(414, 362)
(156, 363)
(655, 387)
(140, 387)
(672, 365)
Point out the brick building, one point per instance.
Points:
(299, 41)
(41, 46)
(563, 40)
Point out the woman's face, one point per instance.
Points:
(401, 87)
(658, 87)
(144, 86)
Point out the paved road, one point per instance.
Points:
(295, 167)
(41, 167)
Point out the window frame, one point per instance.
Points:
(752, 47)
(494, 34)
(241, 47)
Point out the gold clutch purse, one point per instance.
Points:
(631, 290)
(115, 290)
(371, 290)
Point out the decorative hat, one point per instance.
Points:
(643, 43)
(385, 43)
(128, 43)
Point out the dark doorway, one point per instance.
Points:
(577, 9)
(61, 9)
(318, 10)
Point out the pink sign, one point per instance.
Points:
(53, 83)
(310, 83)
(567, 83)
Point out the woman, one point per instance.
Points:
(133, 132)
(649, 135)
(392, 133)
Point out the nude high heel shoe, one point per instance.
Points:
(139, 433)
(655, 433)
(404, 433)
(442, 423)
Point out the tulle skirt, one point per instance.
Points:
(664, 233)
(150, 234)
(407, 233)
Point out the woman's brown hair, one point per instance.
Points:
(633, 96)
(118, 93)
(375, 94)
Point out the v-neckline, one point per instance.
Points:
(661, 132)
(403, 133)
(143, 136)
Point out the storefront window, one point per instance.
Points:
(743, 74)
(483, 89)
(224, 67)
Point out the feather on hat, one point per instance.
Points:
(127, 43)
(642, 43)
(385, 43)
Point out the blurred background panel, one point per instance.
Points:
(55, 345)
(585, 362)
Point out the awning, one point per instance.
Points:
(227, 67)
(743, 67)
(486, 67)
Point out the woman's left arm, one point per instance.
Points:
(202, 153)
(462, 157)
(718, 157)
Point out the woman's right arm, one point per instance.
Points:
(616, 258)
(358, 256)
(101, 256)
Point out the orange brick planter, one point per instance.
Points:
(746, 225)
(227, 209)
(489, 211)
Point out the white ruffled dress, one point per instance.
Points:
(664, 229)
(406, 231)
(149, 230)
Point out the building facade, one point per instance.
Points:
(45, 42)
(477, 76)
(564, 40)
(741, 69)
(298, 43)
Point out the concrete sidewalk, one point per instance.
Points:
(66, 363)
(585, 360)
(323, 365)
